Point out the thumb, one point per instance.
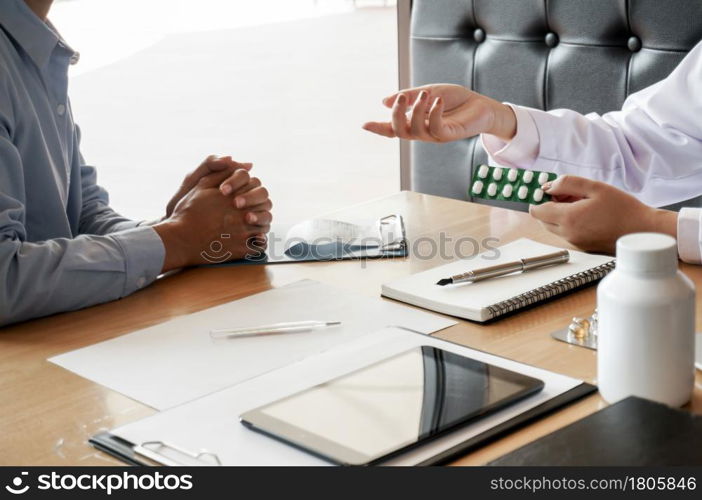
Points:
(229, 161)
(570, 186)
(213, 179)
(214, 163)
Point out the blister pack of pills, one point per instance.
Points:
(510, 184)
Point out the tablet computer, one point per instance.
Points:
(381, 410)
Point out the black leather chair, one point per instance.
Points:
(587, 55)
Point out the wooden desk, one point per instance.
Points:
(47, 413)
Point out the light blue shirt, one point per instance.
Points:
(61, 246)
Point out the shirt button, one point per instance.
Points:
(61, 109)
(141, 282)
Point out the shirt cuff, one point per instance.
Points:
(689, 235)
(523, 149)
(124, 226)
(143, 253)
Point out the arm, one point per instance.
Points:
(97, 217)
(652, 148)
(63, 274)
(581, 212)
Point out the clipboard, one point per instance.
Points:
(383, 238)
(159, 453)
(159, 439)
(149, 453)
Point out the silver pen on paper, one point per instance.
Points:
(523, 265)
(272, 329)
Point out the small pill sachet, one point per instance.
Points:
(510, 184)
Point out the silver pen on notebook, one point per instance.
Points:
(525, 264)
(287, 327)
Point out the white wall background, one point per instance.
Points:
(283, 83)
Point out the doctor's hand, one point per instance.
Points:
(443, 113)
(592, 215)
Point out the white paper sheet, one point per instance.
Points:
(211, 423)
(177, 361)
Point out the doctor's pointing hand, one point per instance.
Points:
(615, 168)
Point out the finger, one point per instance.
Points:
(244, 166)
(553, 228)
(436, 120)
(265, 206)
(399, 117)
(256, 231)
(260, 218)
(211, 164)
(216, 178)
(252, 184)
(236, 164)
(214, 163)
(380, 128)
(234, 182)
(251, 198)
(571, 186)
(566, 199)
(418, 118)
(549, 212)
(411, 95)
(549, 226)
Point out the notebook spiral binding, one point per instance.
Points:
(551, 290)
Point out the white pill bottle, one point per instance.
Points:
(646, 324)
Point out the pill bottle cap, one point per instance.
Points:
(647, 253)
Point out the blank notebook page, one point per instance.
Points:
(472, 300)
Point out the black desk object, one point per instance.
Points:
(634, 432)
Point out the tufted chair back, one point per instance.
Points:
(587, 55)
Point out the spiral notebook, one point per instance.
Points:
(489, 299)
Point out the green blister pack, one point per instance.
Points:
(510, 184)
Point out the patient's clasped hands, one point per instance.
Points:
(218, 201)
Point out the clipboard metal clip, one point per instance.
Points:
(157, 448)
(392, 233)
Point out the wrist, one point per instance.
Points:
(663, 221)
(504, 123)
(174, 242)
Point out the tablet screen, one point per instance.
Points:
(391, 405)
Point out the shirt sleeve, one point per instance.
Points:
(651, 148)
(689, 240)
(522, 150)
(62, 274)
